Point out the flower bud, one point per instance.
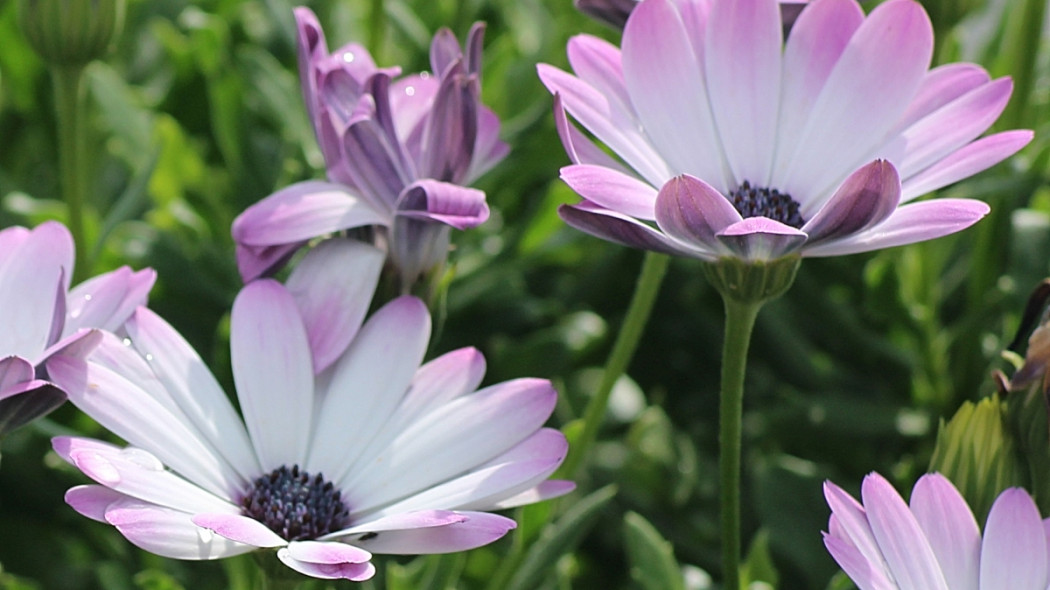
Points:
(70, 33)
(978, 454)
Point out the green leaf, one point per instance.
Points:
(560, 538)
(651, 557)
(759, 564)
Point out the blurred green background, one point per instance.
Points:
(197, 114)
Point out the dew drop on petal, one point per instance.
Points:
(149, 357)
(126, 341)
(348, 57)
(87, 297)
(424, 75)
(411, 91)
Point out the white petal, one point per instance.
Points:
(367, 383)
(273, 372)
(193, 389)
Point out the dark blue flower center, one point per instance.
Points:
(766, 202)
(296, 505)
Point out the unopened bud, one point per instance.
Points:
(69, 33)
(978, 454)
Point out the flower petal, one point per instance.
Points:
(951, 529)
(92, 500)
(864, 97)
(31, 287)
(612, 189)
(327, 552)
(966, 161)
(458, 206)
(134, 414)
(814, 46)
(304, 211)
(333, 304)
(624, 230)
(356, 572)
(485, 486)
(914, 222)
(579, 148)
(613, 126)
(953, 126)
(256, 261)
(367, 384)
(1013, 553)
(239, 528)
(760, 238)
(273, 371)
(473, 529)
(107, 300)
(169, 533)
(138, 474)
(461, 435)
(441, 380)
(692, 211)
(742, 66)
(193, 389)
(868, 197)
(901, 541)
(664, 72)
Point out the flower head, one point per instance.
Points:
(934, 543)
(734, 143)
(347, 446)
(398, 155)
(42, 317)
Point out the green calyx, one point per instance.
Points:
(977, 452)
(746, 281)
(70, 33)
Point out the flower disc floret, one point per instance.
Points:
(296, 505)
(752, 201)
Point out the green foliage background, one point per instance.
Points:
(197, 114)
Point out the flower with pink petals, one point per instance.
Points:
(398, 154)
(934, 542)
(347, 446)
(733, 143)
(42, 317)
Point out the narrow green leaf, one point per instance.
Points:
(559, 538)
(651, 557)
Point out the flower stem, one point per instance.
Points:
(68, 105)
(645, 290)
(377, 28)
(740, 320)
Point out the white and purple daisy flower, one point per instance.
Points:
(42, 317)
(399, 154)
(934, 542)
(347, 446)
(733, 143)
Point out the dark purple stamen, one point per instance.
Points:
(296, 505)
(765, 202)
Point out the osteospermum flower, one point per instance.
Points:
(347, 446)
(399, 155)
(40, 316)
(733, 143)
(934, 543)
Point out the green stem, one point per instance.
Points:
(71, 158)
(377, 28)
(740, 320)
(645, 290)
